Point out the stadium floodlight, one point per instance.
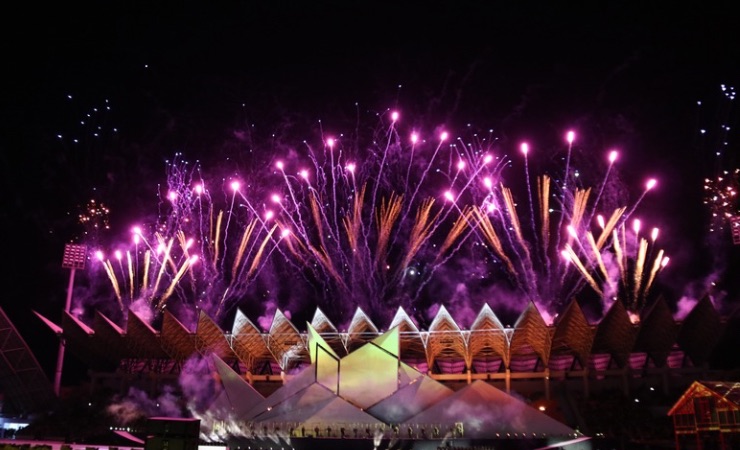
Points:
(74, 258)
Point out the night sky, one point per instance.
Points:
(187, 76)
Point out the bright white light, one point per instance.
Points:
(570, 137)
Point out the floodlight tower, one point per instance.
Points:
(73, 259)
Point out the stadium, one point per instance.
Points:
(392, 386)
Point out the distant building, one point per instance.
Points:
(707, 416)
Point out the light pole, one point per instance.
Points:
(73, 259)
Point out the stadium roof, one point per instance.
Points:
(23, 384)
(444, 348)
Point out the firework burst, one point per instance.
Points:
(350, 224)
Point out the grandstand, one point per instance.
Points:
(526, 357)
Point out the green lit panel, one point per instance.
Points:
(368, 375)
(327, 368)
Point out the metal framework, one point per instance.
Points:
(24, 384)
(487, 350)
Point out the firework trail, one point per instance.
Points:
(562, 251)
(350, 224)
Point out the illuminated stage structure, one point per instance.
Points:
(489, 360)
(372, 399)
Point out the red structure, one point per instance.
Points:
(707, 416)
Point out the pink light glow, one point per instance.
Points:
(235, 185)
(304, 174)
(275, 198)
(118, 254)
(654, 234)
(570, 137)
(279, 165)
(487, 182)
(136, 230)
(600, 220)
(285, 233)
(449, 196)
(443, 137)
(664, 262)
(137, 239)
(394, 116)
(487, 159)
(172, 196)
(330, 142)
(414, 138)
(636, 226)
(189, 243)
(194, 259)
(460, 165)
(525, 148)
(572, 231)
(198, 189)
(651, 183)
(351, 167)
(613, 156)
(565, 255)
(269, 215)
(100, 255)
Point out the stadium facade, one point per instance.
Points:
(487, 361)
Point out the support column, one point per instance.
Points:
(508, 380)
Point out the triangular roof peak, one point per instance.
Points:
(486, 315)
(280, 320)
(443, 317)
(402, 318)
(240, 321)
(109, 322)
(530, 315)
(321, 322)
(360, 322)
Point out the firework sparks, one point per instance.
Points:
(374, 235)
(721, 196)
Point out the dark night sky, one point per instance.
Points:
(181, 76)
